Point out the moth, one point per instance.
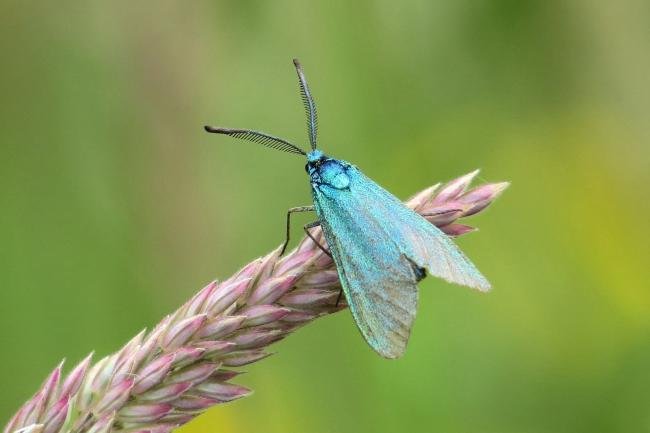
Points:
(381, 248)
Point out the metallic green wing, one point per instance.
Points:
(380, 247)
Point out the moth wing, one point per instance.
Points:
(383, 301)
(422, 242)
(378, 245)
(379, 281)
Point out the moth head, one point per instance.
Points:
(315, 159)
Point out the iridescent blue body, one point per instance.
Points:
(380, 247)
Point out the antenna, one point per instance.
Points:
(310, 106)
(258, 137)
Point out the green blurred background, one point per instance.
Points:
(115, 206)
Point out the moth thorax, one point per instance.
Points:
(333, 173)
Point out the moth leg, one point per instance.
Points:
(431, 214)
(311, 226)
(289, 212)
(338, 298)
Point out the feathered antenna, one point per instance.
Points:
(310, 106)
(258, 137)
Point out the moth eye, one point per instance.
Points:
(307, 168)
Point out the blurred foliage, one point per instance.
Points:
(115, 205)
